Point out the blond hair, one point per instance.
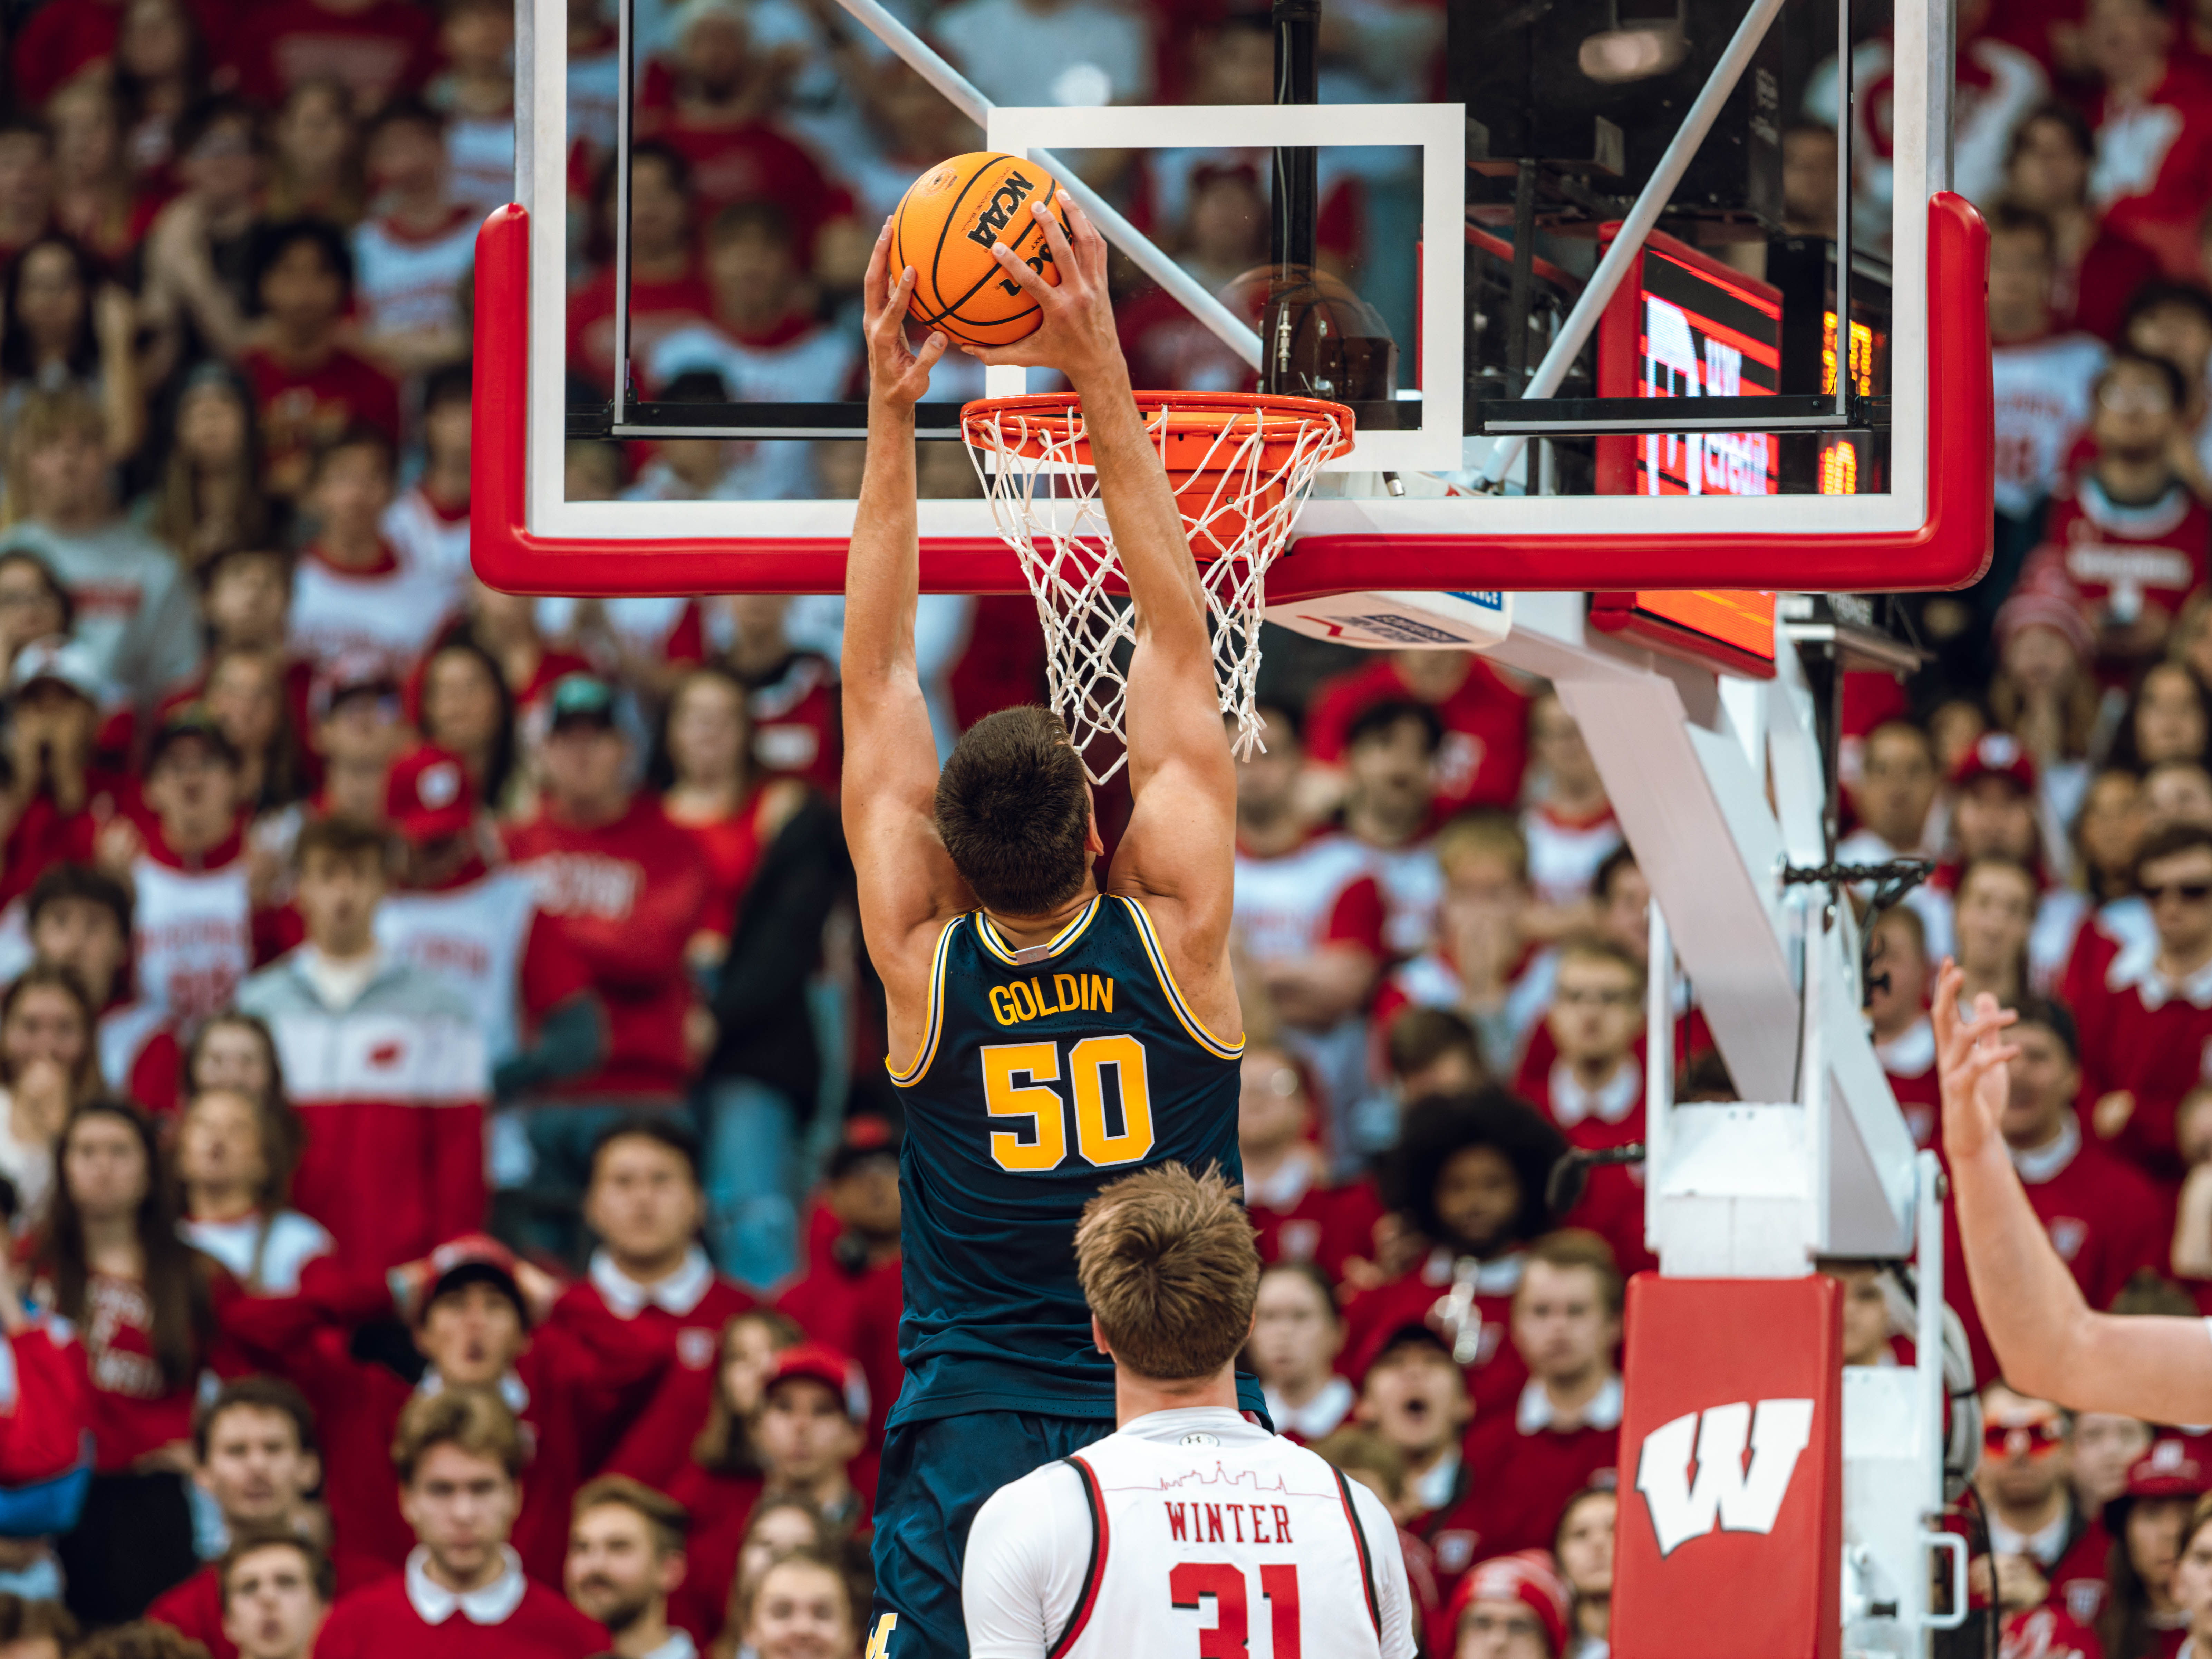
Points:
(1168, 1264)
(475, 1421)
(45, 415)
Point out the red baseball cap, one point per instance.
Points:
(2171, 1468)
(472, 1259)
(816, 1362)
(1528, 1577)
(1997, 755)
(428, 797)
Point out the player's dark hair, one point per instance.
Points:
(1014, 812)
(1437, 1127)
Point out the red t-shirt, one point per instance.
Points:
(381, 51)
(302, 409)
(1485, 722)
(629, 895)
(2093, 295)
(380, 1621)
(133, 1408)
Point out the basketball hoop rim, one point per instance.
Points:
(1049, 419)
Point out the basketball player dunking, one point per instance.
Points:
(1050, 1031)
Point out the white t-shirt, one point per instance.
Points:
(1196, 1511)
(404, 281)
(262, 1252)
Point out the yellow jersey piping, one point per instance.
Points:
(914, 1073)
(1213, 1044)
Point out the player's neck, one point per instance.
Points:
(1021, 930)
(1138, 1396)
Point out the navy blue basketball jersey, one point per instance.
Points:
(1045, 1074)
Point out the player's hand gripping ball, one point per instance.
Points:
(944, 228)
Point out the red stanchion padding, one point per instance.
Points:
(1729, 1541)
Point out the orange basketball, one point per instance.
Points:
(946, 224)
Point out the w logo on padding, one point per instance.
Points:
(1725, 1493)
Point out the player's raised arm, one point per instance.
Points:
(2048, 1342)
(1179, 845)
(907, 883)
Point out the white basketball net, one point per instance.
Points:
(1046, 505)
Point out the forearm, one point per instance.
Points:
(883, 574)
(1148, 527)
(571, 1042)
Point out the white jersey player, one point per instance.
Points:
(1190, 1530)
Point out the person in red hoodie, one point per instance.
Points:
(476, 1327)
(645, 1205)
(2153, 127)
(2144, 1024)
(459, 1455)
(626, 888)
(1565, 1428)
(258, 1457)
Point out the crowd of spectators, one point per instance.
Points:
(446, 1160)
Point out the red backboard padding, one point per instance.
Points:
(1729, 1541)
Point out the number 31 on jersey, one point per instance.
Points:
(1112, 1125)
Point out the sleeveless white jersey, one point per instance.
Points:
(1187, 1532)
(191, 937)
